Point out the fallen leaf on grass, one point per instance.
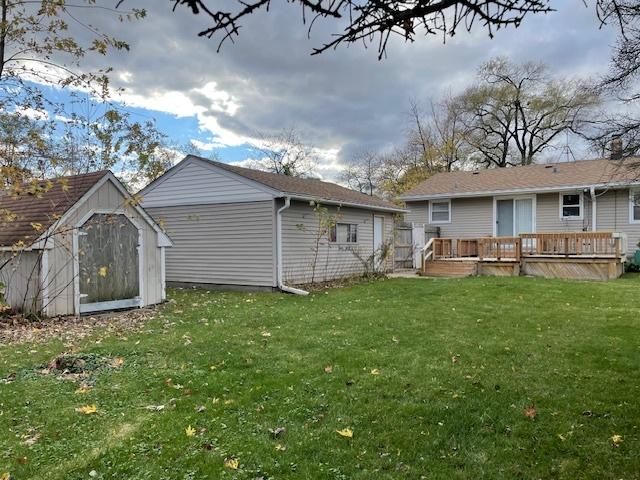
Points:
(155, 408)
(231, 463)
(5, 476)
(531, 412)
(375, 371)
(87, 409)
(616, 440)
(266, 334)
(455, 359)
(280, 448)
(83, 389)
(328, 369)
(190, 431)
(345, 432)
(117, 362)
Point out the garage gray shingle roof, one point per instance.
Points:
(25, 216)
(307, 187)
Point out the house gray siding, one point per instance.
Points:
(195, 183)
(548, 218)
(224, 244)
(470, 217)
(613, 216)
(310, 257)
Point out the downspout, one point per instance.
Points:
(281, 285)
(594, 209)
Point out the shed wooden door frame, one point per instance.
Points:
(137, 301)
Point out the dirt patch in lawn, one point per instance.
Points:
(17, 329)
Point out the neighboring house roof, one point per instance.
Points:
(25, 216)
(305, 188)
(529, 178)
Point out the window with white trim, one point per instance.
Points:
(571, 205)
(634, 206)
(440, 211)
(344, 233)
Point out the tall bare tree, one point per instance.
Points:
(514, 112)
(364, 172)
(284, 153)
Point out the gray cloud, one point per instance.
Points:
(344, 99)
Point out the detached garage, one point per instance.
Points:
(235, 226)
(79, 244)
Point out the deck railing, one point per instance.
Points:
(499, 248)
(592, 244)
(442, 248)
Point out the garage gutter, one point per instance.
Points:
(281, 285)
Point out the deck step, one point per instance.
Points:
(450, 268)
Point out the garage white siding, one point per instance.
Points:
(195, 183)
(306, 260)
(220, 244)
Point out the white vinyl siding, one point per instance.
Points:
(196, 183)
(221, 244)
(333, 260)
(21, 278)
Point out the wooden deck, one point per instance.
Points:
(583, 256)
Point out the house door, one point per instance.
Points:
(504, 220)
(108, 263)
(378, 240)
(514, 216)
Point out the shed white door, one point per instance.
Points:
(378, 240)
(108, 263)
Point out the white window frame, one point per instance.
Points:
(439, 222)
(336, 242)
(580, 205)
(632, 193)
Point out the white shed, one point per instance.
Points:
(79, 244)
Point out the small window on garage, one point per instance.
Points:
(440, 211)
(344, 233)
(571, 205)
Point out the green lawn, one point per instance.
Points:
(433, 377)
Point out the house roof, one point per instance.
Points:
(25, 216)
(529, 178)
(308, 187)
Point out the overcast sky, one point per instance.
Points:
(342, 101)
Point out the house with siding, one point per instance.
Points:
(601, 195)
(239, 227)
(79, 244)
